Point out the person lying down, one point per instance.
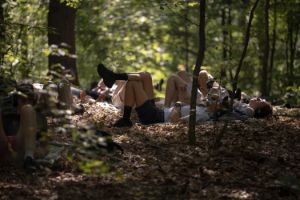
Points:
(139, 94)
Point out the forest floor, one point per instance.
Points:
(255, 159)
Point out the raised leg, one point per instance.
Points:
(146, 80)
(177, 89)
(135, 94)
(27, 133)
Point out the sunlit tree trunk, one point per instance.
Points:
(61, 24)
(2, 32)
(200, 58)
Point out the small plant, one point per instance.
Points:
(292, 96)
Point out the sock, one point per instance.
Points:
(127, 112)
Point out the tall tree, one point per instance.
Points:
(265, 52)
(2, 31)
(61, 34)
(186, 27)
(291, 44)
(224, 35)
(246, 42)
(200, 58)
(273, 45)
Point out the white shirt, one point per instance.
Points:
(201, 113)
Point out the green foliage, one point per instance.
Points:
(154, 36)
(292, 95)
(71, 3)
(94, 166)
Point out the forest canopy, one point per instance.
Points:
(159, 36)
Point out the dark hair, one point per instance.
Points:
(264, 111)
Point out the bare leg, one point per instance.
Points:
(176, 90)
(129, 95)
(171, 94)
(184, 76)
(27, 132)
(139, 93)
(134, 95)
(146, 80)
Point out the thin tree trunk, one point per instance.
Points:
(200, 58)
(2, 32)
(273, 48)
(287, 55)
(292, 39)
(266, 48)
(224, 43)
(229, 22)
(186, 26)
(246, 42)
(292, 46)
(61, 23)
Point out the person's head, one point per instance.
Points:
(261, 107)
(25, 93)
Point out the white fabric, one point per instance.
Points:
(218, 94)
(118, 95)
(200, 96)
(243, 108)
(167, 112)
(201, 113)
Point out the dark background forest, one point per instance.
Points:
(249, 44)
(155, 36)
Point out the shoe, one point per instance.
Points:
(123, 123)
(30, 165)
(107, 75)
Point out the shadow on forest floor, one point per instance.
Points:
(257, 159)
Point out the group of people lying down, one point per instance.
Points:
(19, 126)
(135, 90)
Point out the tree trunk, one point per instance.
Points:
(266, 48)
(229, 22)
(2, 32)
(61, 24)
(246, 42)
(186, 38)
(292, 39)
(273, 48)
(224, 44)
(200, 58)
